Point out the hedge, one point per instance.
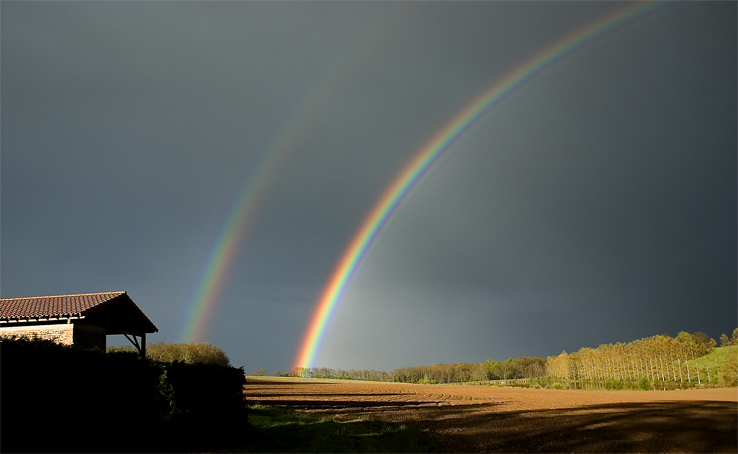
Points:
(67, 399)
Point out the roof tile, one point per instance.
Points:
(53, 306)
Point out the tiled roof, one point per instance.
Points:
(53, 306)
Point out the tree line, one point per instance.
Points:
(512, 368)
(656, 358)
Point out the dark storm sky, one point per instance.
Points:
(596, 204)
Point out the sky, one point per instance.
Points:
(596, 203)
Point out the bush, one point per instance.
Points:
(204, 405)
(557, 385)
(122, 349)
(199, 353)
(644, 384)
(194, 353)
(613, 384)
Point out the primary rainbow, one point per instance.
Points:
(430, 154)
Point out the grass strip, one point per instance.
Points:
(285, 430)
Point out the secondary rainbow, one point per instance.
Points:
(227, 244)
(431, 153)
(232, 234)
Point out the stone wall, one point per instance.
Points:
(66, 334)
(89, 336)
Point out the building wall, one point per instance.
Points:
(89, 336)
(66, 334)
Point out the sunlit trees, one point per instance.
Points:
(480, 371)
(559, 366)
(504, 368)
(524, 367)
(725, 341)
(352, 374)
(657, 358)
(202, 352)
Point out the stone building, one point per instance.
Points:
(83, 319)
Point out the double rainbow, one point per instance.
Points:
(430, 154)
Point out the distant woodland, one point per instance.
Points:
(685, 359)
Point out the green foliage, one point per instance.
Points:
(725, 341)
(285, 430)
(512, 368)
(670, 362)
(644, 384)
(557, 385)
(667, 362)
(193, 353)
(703, 339)
(340, 374)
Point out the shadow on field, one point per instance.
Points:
(681, 426)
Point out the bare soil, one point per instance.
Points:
(489, 419)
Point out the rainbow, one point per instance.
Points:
(431, 153)
(233, 231)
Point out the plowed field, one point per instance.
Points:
(488, 419)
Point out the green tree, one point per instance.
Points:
(725, 341)
(705, 342)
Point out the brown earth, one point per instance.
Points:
(489, 419)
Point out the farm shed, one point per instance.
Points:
(82, 319)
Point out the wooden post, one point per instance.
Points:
(143, 345)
